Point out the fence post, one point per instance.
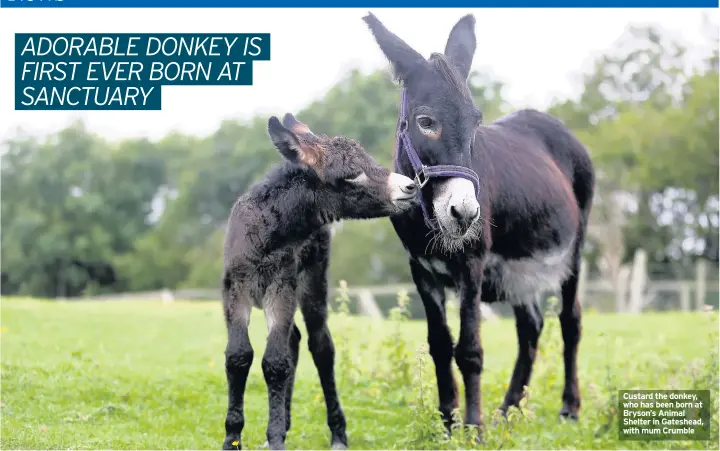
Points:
(684, 296)
(582, 282)
(700, 284)
(486, 312)
(167, 296)
(621, 289)
(367, 305)
(637, 282)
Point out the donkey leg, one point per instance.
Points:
(279, 306)
(439, 338)
(294, 354)
(313, 304)
(469, 352)
(571, 326)
(322, 349)
(238, 359)
(528, 325)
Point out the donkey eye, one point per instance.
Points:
(359, 179)
(425, 121)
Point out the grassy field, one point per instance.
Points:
(151, 376)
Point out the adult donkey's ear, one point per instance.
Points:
(292, 148)
(461, 44)
(402, 57)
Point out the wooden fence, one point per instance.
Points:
(633, 292)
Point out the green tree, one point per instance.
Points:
(652, 130)
(71, 203)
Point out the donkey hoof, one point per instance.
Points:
(232, 443)
(568, 413)
(499, 415)
(279, 445)
(338, 439)
(477, 438)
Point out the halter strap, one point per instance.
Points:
(424, 173)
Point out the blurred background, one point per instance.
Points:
(89, 213)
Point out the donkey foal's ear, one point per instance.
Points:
(290, 122)
(288, 144)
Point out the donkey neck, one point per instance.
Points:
(291, 203)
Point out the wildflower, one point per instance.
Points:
(4, 329)
(236, 443)
(211, 364)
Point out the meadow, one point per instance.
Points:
(148, 375)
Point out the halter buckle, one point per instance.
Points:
(421, 181)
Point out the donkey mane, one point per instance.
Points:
(450, 74)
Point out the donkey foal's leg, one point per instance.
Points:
(294, 354)
(528, 325)
(312, 285)
(277, 364)
(323, 351)
(238, 358)
(314, 309)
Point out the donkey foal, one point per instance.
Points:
(276, 257)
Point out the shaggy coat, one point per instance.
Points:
(277, 246)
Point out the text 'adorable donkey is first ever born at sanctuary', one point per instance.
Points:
(276, 257)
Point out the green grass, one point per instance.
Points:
(143, 375)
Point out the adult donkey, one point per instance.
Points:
(504, 210)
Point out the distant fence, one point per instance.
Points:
(633, 292)
(367, 299)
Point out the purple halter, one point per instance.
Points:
(424, 173)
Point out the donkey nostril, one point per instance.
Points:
(464, 216)
(455, 213)
(410, 187)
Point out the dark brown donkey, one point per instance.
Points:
(276, 258)
(502, 216)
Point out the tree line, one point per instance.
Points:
(83, 215)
